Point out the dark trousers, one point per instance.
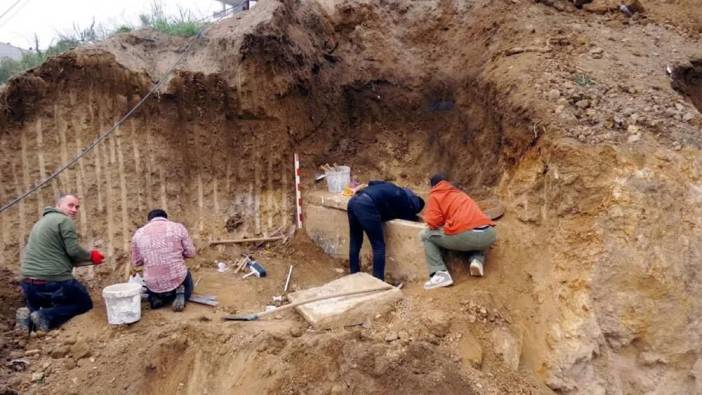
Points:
(364, 217)
(157, 300)
(58, 301)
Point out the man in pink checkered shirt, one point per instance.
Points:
(162, 246)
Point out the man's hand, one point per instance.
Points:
(97, 257)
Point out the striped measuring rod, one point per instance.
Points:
(298, 195)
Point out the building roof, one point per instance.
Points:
(10, 51)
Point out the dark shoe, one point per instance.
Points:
(22, 320)
(179, 301)
(39, 321)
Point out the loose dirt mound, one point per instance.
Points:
(568, 116)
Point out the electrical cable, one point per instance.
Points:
(116, 125)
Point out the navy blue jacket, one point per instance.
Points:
(392, 201)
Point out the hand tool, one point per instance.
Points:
(256, 316)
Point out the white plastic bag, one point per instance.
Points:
(137, 279)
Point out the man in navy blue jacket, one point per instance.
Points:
(380, 201)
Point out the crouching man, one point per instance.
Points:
(161, 247)
(53, 296)
(455, 223)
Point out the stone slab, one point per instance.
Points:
(349, 310)
(404, 254)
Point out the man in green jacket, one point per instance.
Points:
(53, 295)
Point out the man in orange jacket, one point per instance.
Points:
(455, 223)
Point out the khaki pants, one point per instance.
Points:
(475, 241)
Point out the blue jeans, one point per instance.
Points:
(364, 217)
(57, 301)
(157, 300)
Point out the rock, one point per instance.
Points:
(553, 94)
(59, 352)
(37, 377)
(688, 117)
(391, 336)
(437, 323)
(596, 53)
(679, 107)
(32, 352)
(652, 358)
(633, 129)
(633, 138)
(470, 350)
(598, 6)
(70, 363)
(14, 381)
(18, 365)
(507, 347)
(80, 350)
(582, 104)
(70, 341)
(16, 354)
(296, 331)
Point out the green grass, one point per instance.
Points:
(583, 80)
(183, 24)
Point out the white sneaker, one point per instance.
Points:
(439, 279)
(476, 268)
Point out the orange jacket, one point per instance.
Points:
(453, 210)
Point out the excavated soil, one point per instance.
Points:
(584, 122)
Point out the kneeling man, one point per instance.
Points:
(53, 296)
(162, 246)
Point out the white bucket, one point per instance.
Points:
(338, 179)
(123, 303)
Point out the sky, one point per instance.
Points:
(48, 18)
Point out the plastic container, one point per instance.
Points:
(123, 302)
(338, 179)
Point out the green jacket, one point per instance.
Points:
(52, 249)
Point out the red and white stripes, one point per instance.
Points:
(298, 195)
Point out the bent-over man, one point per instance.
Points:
(380, 201)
